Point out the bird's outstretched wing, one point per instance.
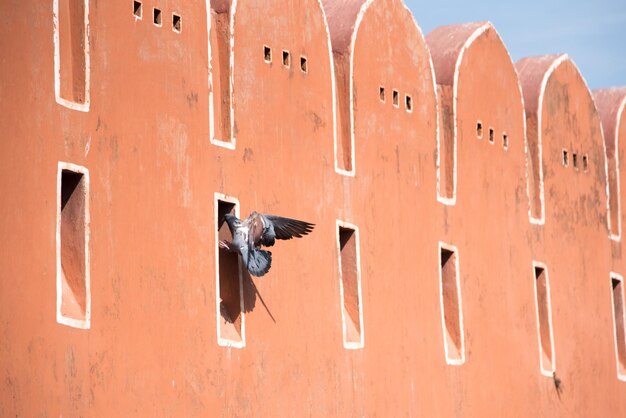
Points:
(287, 228)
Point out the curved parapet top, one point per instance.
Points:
(450, 48)
(611, 104)
(391, 74)
(447, 44)
(557, 99)
(342, 16)
(534, 73)
(396, 61)
(220, 6)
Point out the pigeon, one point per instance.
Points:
(260, 230)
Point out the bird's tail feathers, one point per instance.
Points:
(259, 262)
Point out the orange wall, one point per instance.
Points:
(151, 348)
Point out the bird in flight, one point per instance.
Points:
(260, 230)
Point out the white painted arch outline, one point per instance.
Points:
(61, 319)
(233, 140)
(451, 201)
(350, 345)
(83, 107)
(449, 360)
(359, 19)
(618, 237)
(225, 342)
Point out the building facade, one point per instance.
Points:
(467, 254)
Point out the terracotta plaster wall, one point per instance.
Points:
(284, 128)
(575, 210)
(152, 345)
(611, 103)
(391, 198)
(489, 206)
(149, 263)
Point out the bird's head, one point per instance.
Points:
(231, 220)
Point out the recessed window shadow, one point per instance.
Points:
(229, 294)
(228, 271)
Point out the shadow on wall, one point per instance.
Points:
(232, 274)
(250, 293)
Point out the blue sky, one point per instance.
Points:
(592, 33)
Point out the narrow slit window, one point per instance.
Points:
(575, 160)
(585, 162)
(505, 141)
(177, 24)
(544, 320)
(229, 279)
(381, 94)
(72, 246)
(350, 285)
(137, 9)
(565, 158)
(71, 57)
(156, 17)
(491, 138)
(451, 306)
(479, 130)
(619, 322)
(286, 59)
(408, 103)
(267, 54)
(396, 98)
(303, 65)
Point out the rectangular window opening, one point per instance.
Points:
(396, 98)
(451, 306)
(619, 322)
(585, 163)
(575, 160)
(156, 18)
(350, 285)
(177, 24)
(303, 65)
(267, 54)
(544, 320)
(565, 158)
(479, 130)
(71, 56)
(286, 59)
(505, 141)
(229, 280)
(408, 103)
(220, 92)
(73, 288)
(381, 94)
(137, 9)
(491, 138)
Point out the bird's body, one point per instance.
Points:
(258, 230)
